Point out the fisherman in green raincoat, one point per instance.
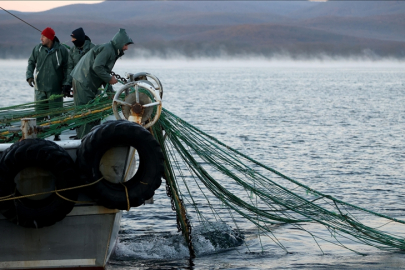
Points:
(94, 69)
(82, 44)
(49, 59)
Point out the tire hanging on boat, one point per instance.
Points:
(147, 178)
(46, 155)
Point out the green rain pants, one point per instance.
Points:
(47, 105)
(82, 94)
(41, 107)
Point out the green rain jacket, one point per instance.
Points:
(51, 67)
(94, 68)
(75, 54)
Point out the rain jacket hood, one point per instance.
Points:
(119, 40)
(55, 45)
(50, 67)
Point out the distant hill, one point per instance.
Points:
(384, 27)
(210, 28)
(350, 9)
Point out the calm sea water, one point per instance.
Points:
(337, 128)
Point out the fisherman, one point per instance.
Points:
(82, 44)
(94, 69)
(49, 59)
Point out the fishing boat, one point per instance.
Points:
(61, 202)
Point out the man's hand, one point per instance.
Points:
(66, 91)
(31, 82)
(113, 80)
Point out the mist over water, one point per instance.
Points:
(336, 126)
(280, 56)
(251, 62)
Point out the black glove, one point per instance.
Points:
(31, 82)
(66, 91)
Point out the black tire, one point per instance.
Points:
(150, 170)
(46, 155)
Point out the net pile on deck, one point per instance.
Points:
(57, 119)
(217, 183)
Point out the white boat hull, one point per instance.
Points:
(85, 238)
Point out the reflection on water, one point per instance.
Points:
(337, 129)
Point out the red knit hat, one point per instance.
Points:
(49, 33)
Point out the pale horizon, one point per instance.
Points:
(38, 6)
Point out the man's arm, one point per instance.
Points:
(70, 67)
(100, 65)
(32, 62)
(65, 59)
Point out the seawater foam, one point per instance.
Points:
(158, 246)
(215, 237)
(208, 239)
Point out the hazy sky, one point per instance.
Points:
(33, 6)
